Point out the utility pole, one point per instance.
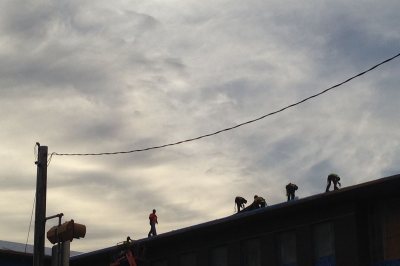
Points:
(40, 210)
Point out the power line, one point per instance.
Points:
(36, 155)
(30, 223)
(233, 127)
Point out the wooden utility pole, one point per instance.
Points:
(40, 210)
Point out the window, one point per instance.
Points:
(287, 248)
(187, 260)
(251, 255)
(324, 243)
(219, 256)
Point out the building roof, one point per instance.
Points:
(20, 248)
(380, 188)
(14, 247)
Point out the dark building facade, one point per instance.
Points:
(354, 226)
(18, 254)
(14, 258)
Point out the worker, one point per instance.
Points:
(333, 178)
(153, 222)
(240, 202)
(259, 202)
(290, 191)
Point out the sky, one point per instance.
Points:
(109, 76)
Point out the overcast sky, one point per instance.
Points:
(84, 76)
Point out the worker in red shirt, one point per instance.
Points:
(153, 222)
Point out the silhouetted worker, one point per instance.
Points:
(333, 178)
(290, 191)
(240, 202)
(153, 222)
(259, 202)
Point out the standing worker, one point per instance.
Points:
(290, 191)
(333, 178)
(153, 222)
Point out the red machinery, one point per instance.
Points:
(125, 256)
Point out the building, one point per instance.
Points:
(353, 226)
(17, 254)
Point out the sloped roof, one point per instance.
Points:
(379, 188)
(14, 247)
(20, 248)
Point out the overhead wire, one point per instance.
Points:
(233, 127)
(50, 157)
(36, 156)
(30, 223)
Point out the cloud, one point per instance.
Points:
(85, 77)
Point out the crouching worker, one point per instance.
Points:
(240, 202)
(259, 202)
(333, 178)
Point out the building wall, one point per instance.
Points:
(354, 227)
(392, 230)
(266, 241)
(8, 258)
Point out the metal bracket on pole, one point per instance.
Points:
(60, 215)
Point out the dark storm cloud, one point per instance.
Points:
(353, 39)
(54, 48)
(26, 21)
(44, 72)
